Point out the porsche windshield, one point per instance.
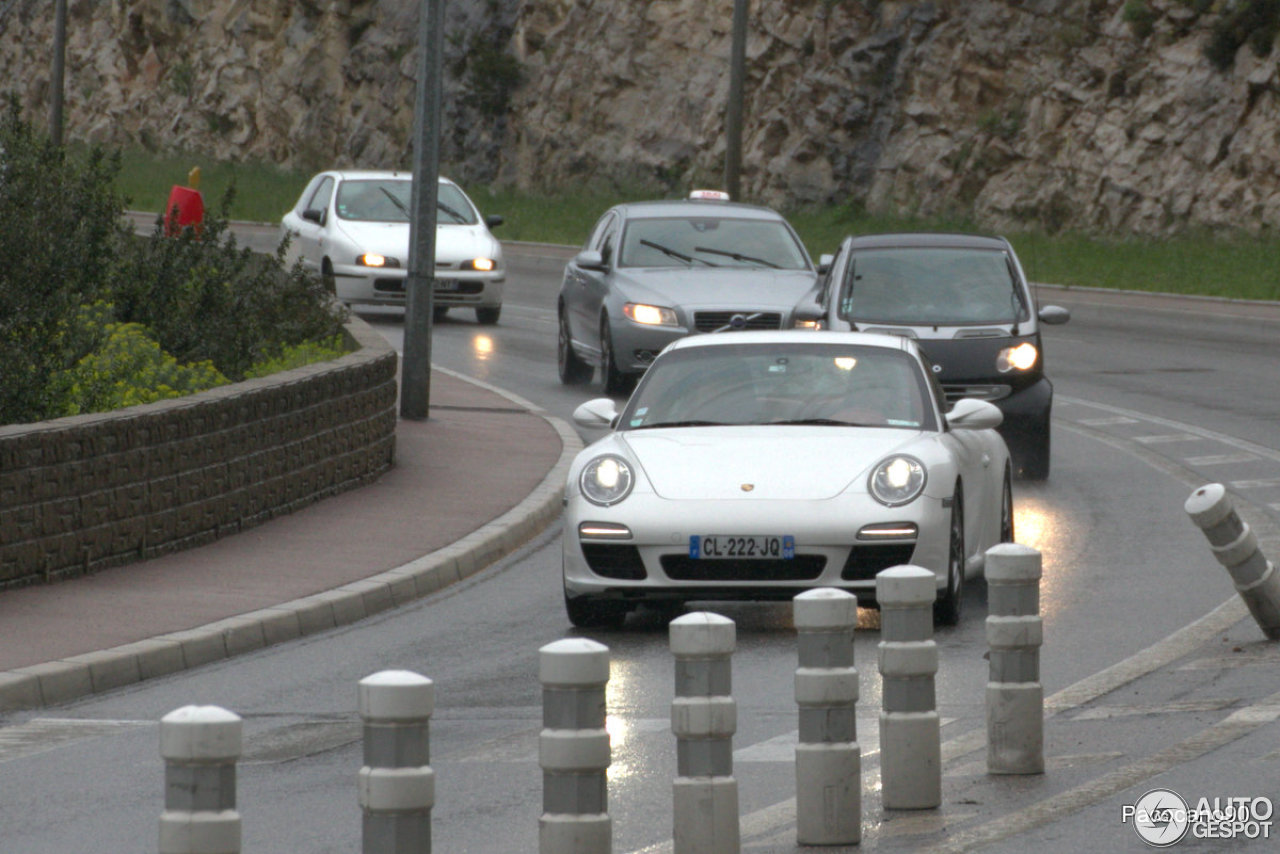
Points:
(709, 241)
(782, 384)
(387, 200)
(930, 287)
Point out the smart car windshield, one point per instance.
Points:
(837, 386)
(709, 241)
(387, 200)
(930, 286)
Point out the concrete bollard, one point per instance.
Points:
(200, 746)
(1236, 547)
(1015, 633)
(704, 718)
(828, 758)
(573, 748)
(396, 784)
(910, 732)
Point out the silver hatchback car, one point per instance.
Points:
(652, 272)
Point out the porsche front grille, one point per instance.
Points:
(799, 568)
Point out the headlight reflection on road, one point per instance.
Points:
(1035, 526)
(483, 346)
(626, 749)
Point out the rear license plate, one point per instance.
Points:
(447, 284)
(726, 546)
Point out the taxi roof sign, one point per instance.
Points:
(710, 195)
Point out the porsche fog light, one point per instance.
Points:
(1020, 358)
(606, 480)
(897, 481)
(649, 315)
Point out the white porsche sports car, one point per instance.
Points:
(757, 465)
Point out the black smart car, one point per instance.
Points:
(965, 300)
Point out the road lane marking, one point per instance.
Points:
(40, 735)
(1219, 459)
(1166, 438)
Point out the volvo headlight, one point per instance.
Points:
(650, 315)
(897, 481)
(1020, 358)
(606, 480)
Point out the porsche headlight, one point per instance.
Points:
(373, 259)
(650, 315)
(1020, 358)
(897, 481)
(606, 480)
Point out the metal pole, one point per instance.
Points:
(415, 371)
(59, 64)
(1015, 632)
(200, 746)
(828, 758)
(733, 119)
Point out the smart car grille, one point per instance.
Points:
(613, 560)
(799, 568)
(715, 321)
(981, 392)
(865, 561)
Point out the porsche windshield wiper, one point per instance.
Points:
(737, 256)
(826, 422)
(671, 253)
(690, 423)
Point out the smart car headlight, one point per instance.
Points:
(606, 480)
(650, 315)
(897, 480)
(1020, 358)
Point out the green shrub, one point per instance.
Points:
(205, 298)
(128, 368)
(306, 353)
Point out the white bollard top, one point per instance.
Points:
(825, 609)
(702, 634)
(1009, 563)
(573, 661)
(396, 695)
(905, 586)
(1209, 505)
(201, 733)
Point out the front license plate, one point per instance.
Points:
(757, 547)
(447, 284)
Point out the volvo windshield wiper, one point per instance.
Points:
(737, 256)
(679, 256)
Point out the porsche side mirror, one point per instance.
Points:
(969, 413)
(597, 414)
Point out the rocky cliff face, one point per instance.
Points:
(1096, 114)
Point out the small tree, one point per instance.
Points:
(60, 224)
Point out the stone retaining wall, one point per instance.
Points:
(84, 493)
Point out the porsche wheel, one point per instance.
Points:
(946, 611)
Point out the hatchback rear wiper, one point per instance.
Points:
(737, 256)
(679, 256)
